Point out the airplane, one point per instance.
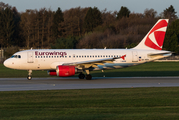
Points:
(68, 62)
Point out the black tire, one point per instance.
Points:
(81, 76)
(29, 77)
(88, 77)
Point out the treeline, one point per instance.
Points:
(82, 28)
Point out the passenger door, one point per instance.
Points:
(134, 56)
(30, 58)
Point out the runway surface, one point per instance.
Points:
(56, 83)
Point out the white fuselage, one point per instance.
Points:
(49, 59)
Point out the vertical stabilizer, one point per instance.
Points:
(155, 37)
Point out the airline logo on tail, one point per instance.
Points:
(156, 36)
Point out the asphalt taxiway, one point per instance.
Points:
(56, 83)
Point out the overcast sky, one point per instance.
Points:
(137, 6)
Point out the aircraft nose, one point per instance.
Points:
(6, 63)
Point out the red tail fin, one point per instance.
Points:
(155, 37)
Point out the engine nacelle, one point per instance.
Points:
(52, 72)
(65, 71)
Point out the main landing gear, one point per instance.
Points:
(82, 76)
(29, 77)
(88, 77)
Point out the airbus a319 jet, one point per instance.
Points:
(68, 62)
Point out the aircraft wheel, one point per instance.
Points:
(29, 77)
(88, 77)
(81, 76)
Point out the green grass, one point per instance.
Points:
(148, 69)
(95, 104)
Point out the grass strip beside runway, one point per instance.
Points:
(148, 69)
(108, 104)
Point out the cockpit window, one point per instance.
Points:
(12, 56)
(16, 56)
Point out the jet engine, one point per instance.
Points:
(65, 71)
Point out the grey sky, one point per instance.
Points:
(137, 6)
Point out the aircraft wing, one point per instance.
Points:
(92, 63)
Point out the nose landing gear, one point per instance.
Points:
(29, 77)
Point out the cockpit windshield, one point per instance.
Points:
(15, 56)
